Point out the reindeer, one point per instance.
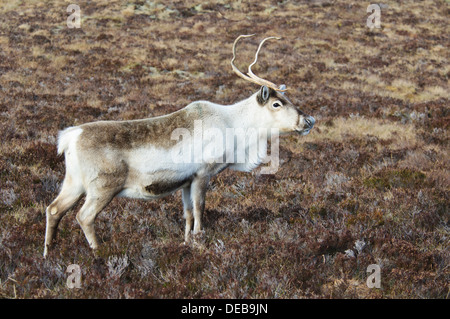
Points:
(135, 159)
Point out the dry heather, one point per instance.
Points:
(369, 185)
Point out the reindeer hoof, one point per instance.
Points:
(199, 239)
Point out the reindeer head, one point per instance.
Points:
(276, 110)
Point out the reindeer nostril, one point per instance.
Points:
(310, 121)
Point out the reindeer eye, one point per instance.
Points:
(276, 104)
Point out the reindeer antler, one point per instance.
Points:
(251, 77)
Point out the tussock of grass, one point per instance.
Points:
(404, 178)
(341, 129)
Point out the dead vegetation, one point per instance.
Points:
(369, 185)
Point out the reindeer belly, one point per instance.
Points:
(162, 188)
(155, 185)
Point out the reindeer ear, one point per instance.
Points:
(264, 94)
(282, 87)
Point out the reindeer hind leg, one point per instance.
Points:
(70, 193)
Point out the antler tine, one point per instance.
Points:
(250, 76)
(256, 78)
(235, 69)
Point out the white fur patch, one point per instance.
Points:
(69, 135)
